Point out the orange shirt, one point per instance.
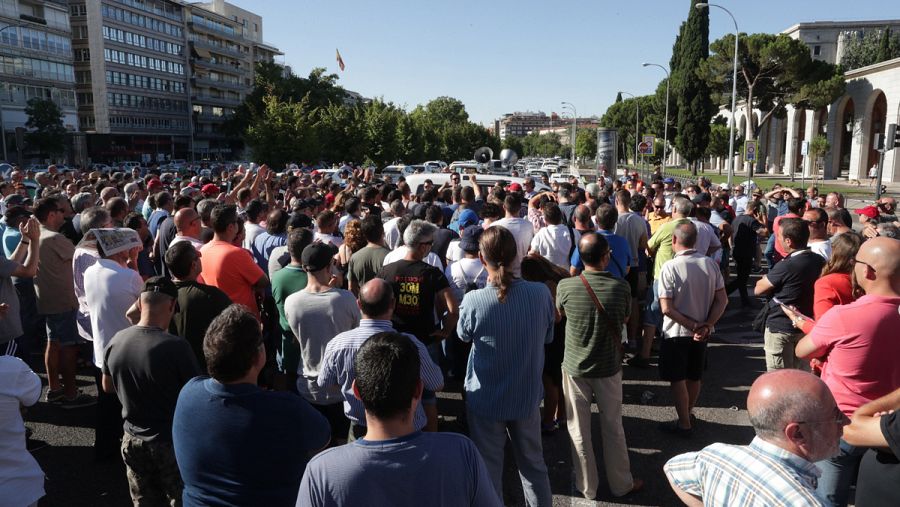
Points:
(233, 271)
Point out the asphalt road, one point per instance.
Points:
(62, 440)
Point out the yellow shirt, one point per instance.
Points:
(655, 222)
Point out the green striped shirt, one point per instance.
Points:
(592, 339)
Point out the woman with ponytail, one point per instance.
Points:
(508, 323)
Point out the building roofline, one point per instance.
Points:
(869, 69)
(838, 24)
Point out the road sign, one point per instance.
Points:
(646, 146)
(750, 151)
(804, 148)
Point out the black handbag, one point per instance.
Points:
(759, 322)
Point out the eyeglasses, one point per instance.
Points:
(839, 418)
(866, 264)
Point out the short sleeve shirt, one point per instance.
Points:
(416, 285)
(690, 280)
(365, 264)
(231, 269)
(793, 279)
(879, 472)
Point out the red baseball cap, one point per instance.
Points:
(514, 187)
(154, 184)
(210, 189)
(868, 211)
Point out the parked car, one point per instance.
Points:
(485, 181)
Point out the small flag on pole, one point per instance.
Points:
(340, 61)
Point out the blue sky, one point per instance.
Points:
(500, 56)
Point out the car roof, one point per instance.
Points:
(416, 180)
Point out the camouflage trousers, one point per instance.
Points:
(153, 477)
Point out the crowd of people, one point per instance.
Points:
(230, 318)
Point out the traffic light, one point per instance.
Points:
(890, 138)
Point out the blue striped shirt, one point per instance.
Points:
(503, 377)
(759, 474)
(337, 367)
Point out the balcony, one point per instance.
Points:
(224, 67)
(204, 28)
(210, 118)
(205, 81)
(217, 47)
(210, 100)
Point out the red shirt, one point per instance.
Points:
(775, 226)
(831, 290)
(233, 270)
(862, 345)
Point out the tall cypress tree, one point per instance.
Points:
(695, 107)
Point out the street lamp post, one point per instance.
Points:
(705, 5)
(574, 127)
(637, 123)
(666, 124)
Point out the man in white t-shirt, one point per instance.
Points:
(255, 211)
(23, 479)
(521, 229)
(817, 219)
(110, 288)
(392, 227)
(326, 225)
(556, 241)
(188, 227)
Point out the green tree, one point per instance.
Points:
(586, 144)
(873, 47)
(818, 148)
(774, 71)
(283, 132)
(48, 135)
(380, 120)
(692, 95)
(515, 144)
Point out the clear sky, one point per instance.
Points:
(500, 56)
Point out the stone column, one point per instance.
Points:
(792, 133)
(809, 134)
(776, 148)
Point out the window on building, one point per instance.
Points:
(817, 50)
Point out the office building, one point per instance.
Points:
(226, 44)
(35, 63)
(131, 79)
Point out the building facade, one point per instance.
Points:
(520, 124)
(870, 103)
(35, 63)
(131, 79)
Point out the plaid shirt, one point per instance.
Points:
(759, 474)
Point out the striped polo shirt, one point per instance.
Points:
(592, 346)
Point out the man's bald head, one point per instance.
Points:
(795, 410)
(376, 299)
(187, 220)
(594, 251)
(878, 269)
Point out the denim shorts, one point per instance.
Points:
(62, 329)
(653, 312)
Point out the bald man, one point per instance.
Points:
(859, 347)
(376, 303)
(187, 227)
(797, 423)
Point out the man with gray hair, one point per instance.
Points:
(86, 255)
(692, 298)
(134, 195)
(660, 247)
(797, 423)
(421, 291)
(391, 227)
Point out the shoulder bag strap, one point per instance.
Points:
(613, 331)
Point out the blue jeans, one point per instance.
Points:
(769, 252)
(525, 434)
(838, 473)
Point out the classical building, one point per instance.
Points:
(870, 103)
(132, 79)
(36, 63)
